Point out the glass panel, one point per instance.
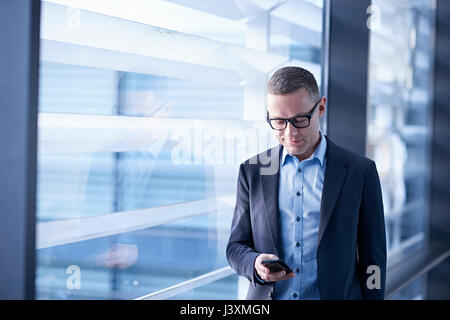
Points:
(224, 289)
(416, 290)
(132, 264)
(399, 115)
(146, 110)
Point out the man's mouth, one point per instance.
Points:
(294, 141)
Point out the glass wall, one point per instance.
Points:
(415, 290)
(146, 110)
(399, 115)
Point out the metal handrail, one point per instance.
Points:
(185, 286)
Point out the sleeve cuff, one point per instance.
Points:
(258, 279)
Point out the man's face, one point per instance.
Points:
(298, 142)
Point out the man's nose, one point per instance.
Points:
(290, 129)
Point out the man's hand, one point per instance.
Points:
(264, 272)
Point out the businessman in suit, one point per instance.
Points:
(309, 202)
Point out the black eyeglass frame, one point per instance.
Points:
(291, 120)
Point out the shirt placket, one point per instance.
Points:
(298, 228)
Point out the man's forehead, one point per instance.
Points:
(292, 104)
(300, 96)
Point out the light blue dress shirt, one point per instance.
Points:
(299, 196)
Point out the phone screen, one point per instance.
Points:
(276, 266)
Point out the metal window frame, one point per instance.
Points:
(188, 285)
(418, 263)
(439, 219)
(19, 65)
(347, 78)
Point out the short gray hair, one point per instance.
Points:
(289, 79)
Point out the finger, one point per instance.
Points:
(263, 276)
(264, 269)
(261, 273)
(261, 268)
(279, 276)
(276, 276)
(290, 275)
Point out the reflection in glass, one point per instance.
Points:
(399, 110)
(416, 290)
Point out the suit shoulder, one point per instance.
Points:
(263, 158)
(353, 159)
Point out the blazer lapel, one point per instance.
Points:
(335, 173)
(269, 183)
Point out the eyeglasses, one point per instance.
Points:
(299, 121)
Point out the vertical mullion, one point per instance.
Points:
(438, 279)
(325, 58)
(347, 73)
(19, 65)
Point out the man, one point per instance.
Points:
(320, 211)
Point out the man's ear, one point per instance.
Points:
(322, 106)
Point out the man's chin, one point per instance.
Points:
(295, 151)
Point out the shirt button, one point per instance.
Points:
(297, 244)
(298, 219)
(298, 193)
(295, 295)
(299, 169)
(297, 270)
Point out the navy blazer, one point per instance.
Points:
(351, 234)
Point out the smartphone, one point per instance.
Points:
(276, 265)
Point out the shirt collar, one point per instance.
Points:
(319, 153)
